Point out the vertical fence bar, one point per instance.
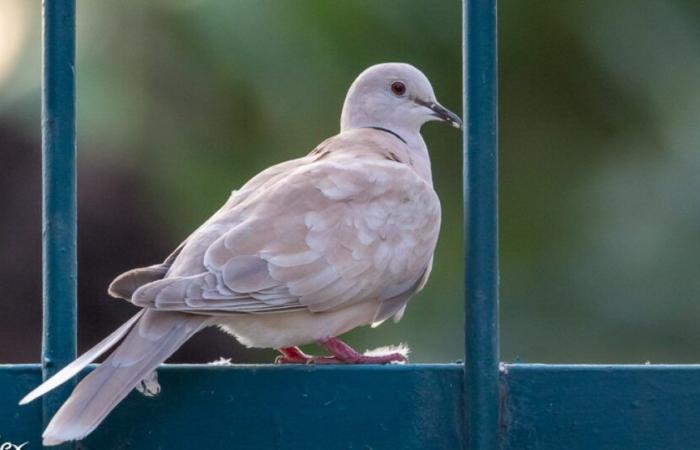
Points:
(481, 221)
(59, 195)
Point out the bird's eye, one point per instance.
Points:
(398, 88)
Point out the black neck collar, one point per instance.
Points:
(390, 132)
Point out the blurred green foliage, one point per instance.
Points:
(599, 136)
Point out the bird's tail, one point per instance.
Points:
(152, 337)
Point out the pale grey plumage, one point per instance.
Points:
(306, 250)
(80, 363)
(151, 341)
(346, 224)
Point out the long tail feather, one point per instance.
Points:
(151, 341)
(79, 364)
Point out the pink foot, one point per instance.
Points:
(341, 353)
(294, 355)
(348, 355)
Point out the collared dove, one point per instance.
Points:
(305, 251)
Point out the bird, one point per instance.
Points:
(303, 252)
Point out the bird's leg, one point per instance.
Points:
(348, 355)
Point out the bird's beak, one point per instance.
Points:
(442, 113)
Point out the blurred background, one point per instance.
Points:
(179, 102)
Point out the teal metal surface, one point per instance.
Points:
(481, 225)
(272, 407)
(59, 195)
(398, 407)
(643, 407)
(19, 424)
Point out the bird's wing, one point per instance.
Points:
(126, 284)
(337, 230)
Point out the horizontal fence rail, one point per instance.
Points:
(645, 407)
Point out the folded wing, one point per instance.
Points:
(323, 236)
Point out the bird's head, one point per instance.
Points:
(395, 96)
